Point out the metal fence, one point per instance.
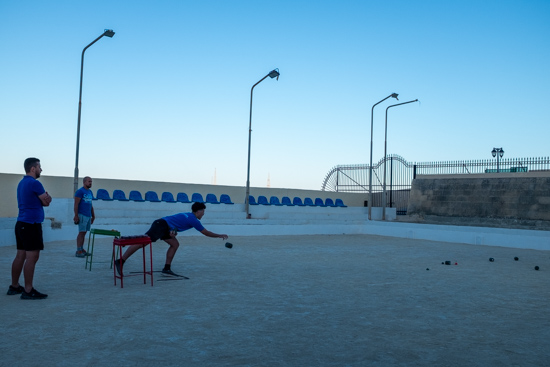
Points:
(400, 173)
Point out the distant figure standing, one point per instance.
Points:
(84, 214)
(166, 229)
(31, 198)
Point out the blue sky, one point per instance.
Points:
(167, 98)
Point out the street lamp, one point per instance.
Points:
(272, 74)
(109, 33)
(394, 95)
(385, 150)
(497, 152)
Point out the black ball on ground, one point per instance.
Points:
(516, 258)
(536, 268)
(228, 245)
(491, 259)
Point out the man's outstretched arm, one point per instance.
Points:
(207, 233)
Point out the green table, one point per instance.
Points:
(91, 237)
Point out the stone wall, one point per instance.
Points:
(520, 196)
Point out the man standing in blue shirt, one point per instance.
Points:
(84, 214)
(166, 229)
(31, 198)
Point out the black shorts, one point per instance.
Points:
(159, 230)
(29, 236)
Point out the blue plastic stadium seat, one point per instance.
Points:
(286, 201)
(297, 201)
(135, 196)
(212, 199)
(263, 200)
(339, 203)
(119, 195)
(152, 196)
(103, 195)
(274, 200)
(308, 202)
(197, 198)
(182, 198)
(225, 199)
(319, 202)
(330, 203)
(251, 200)
(167, 197)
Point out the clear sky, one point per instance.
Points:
(167, 98)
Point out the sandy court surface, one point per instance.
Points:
(349, 300)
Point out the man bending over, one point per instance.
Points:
(166, 229)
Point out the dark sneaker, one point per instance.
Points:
(118, 267)
(169, 272)
(81, 253)
(33, 294)
(12, 290)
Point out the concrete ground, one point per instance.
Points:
(340, 300)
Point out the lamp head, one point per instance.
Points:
(394, 95)
(501, 152)
(494, 152)
(109, 33)
(274, 73)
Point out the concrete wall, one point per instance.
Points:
(521, 195)
(62, 187)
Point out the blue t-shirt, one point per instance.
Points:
(183, 222)
(85, 204)
(30, 205)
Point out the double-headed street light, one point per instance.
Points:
(385, 154)
(394, 95)
(272, 74)
(497, 152)
(109, 33)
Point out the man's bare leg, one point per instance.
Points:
(174, 245)
(28, 268)
(17, 267)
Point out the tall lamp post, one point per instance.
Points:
(109, 33)
(385, 153)
(272, 74)
(394, 95)
(497, 152)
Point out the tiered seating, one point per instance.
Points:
(251, 200)
(274, 200)
(308, 202)
(297, 201)
(286, 201)
(103, 194)
(330, 203)
(119, 195)
(152, 197)
(168, 197)
(212, 199)
(135, 196)
(182, 198)
(319, 202)
(225, 199)
(197, 198)
(339, 203)
(262, 200)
